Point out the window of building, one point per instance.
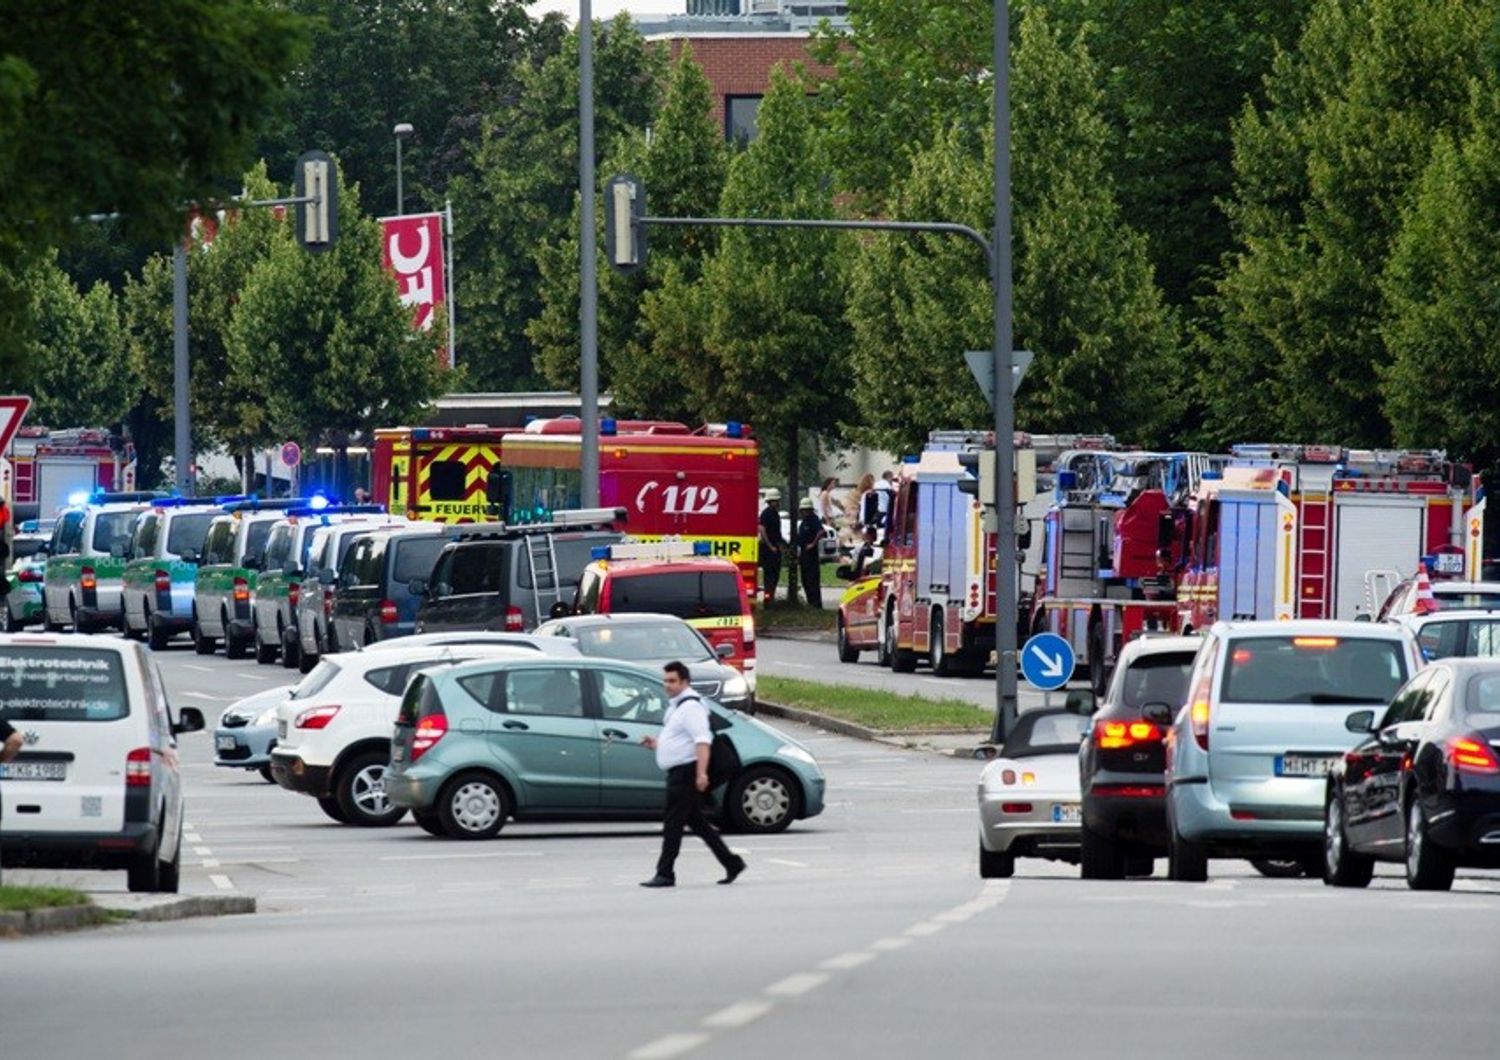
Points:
(740, 114)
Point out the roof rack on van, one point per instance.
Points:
(338, 509)
(663, 550)
(579, 519)
(258, 504)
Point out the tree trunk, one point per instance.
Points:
(793, 500)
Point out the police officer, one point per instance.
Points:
(772, 544)
(809, 540)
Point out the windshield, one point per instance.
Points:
(1313, 670)
(415, 557)
(1160, 678)
(110, 527)
(1466, 600)
(255, 537)
(316, 680)
(62, 684)
(643, 640)
(188, 531)
(686, 594)
(1045, 732)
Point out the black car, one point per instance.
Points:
(374, 597)
(1122, 762)
(1424, 788)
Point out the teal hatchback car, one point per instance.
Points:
(479, 743)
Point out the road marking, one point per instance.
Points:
(200, 669)
(223, 883)
(788, 862)
(797, 985)
(202, 852)
(800, 666)
(738, 1014)
(205, 695)
(454, 857)
(890, 945)
(925, 928)
(668, 1047)
(210, 863)
(845, 961)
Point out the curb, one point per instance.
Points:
(58, 918)
(77, 917)
(903, 740)
(808, 636)
(189, 906)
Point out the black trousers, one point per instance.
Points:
(812, 578)
(770, 567)
(685, 809)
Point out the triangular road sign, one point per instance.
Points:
(13, 410)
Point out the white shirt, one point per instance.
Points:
(682, 730)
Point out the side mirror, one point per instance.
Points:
(347, 581)
(417, 586)
(1081, 701)
(119, 549)
(326, 577)
(725, 651)
(1361, 617)
(189, 719)
(188, 555)
(1158, 714)
(1361, 721)
(439, 590)
(561, 609)
(251, 563)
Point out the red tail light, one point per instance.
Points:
(327, 603)
(31, 575)
(1129, 791)
(1199, 717)
(1470, 754)
(86, 581)
(388, 613)
(316, 717)
(138, 768)
(241, 591)
(163, 581)
(515, 621)
(1015, 807)
(430, 730)
(293, 594)
(1113, 735)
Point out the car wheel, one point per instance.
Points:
(1139, 866)
(291, 649)
(156, 634)
(762, 799)
(361, 792)
(1187, 862)
(846, 653)
(128, 631)
(883, 642)
(266, 774)
(473, 806)
(429, 821)
(1428, 866)
(143, 875)
(234, 647)
(1100, 858)
(306, 661)
(903, 660)
(943, 664)
(1098, 671)
(11, 625)
(201, 644)
(332, 808)
(169, 873)
(1278, 868)
(78, 627)
(1342, 867)
(265, 654)
(996, 864)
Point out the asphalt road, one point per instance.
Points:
(863, 932)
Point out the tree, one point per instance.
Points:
(524, 182)
(131, 107)
(82, 375)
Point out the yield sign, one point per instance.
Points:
(13, 410)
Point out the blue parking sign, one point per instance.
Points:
(1047, 661)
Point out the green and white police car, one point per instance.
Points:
(233, 554)
(86, 561)
(157, 586)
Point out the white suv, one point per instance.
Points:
(97, 783)
(333, 736)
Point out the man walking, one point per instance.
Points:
(809, 539)
(771, 545)
(682, 752)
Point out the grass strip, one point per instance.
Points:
(782, 615)
(886, 712)
(26, 899)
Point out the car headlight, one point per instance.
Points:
(266, 717)
(735, 688)
(796, 754)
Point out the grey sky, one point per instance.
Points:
(610, 8)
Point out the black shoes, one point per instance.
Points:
(660, 881)
(734, 871)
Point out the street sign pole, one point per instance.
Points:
(588, 382)
(1006, 704)
(182, 430)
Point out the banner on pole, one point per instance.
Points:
(412, 250)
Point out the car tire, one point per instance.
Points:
(203, 645)
(883, 643)
(169, 873)
(360, 790)
(234, 647)
(846, 653)
(762, 800)
(78, 626)
(11, 625)
(429, 821)
(1139, 866)
(156, 634)
(332, 808)
(473, 805)
(1428, 866)
(266, 774)
(1187, 862)
(1279, 868)
(129, 632)
(943, 664)
(306, 661)
(291, 650)
(902, 660)
(1100, 857)
(143, 874)
(1342, 867)
(265, 654)
(996, 864)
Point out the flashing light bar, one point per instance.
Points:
(588, 516)
(657, 550)
(335, 508)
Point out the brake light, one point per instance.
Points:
(1315, 642)
(31, 575)
(1113, 735)
(163, 581)
(1015, 807)
(1469, 754)
(327, 603)
(241, 591)
(388, 613)
(1199, 717)
(138, 768)
(316, 717)
(749, 627)
(86, 581)
(430, 730)
(1129, 791)
(515, 621)
(293, 594)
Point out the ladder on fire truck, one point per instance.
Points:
(541, 559)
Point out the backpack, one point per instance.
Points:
(723, 759)
(869, 514)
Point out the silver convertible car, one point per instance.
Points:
(1029, 800)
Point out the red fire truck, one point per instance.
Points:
(436, 473)
(1308, 531)
(47, 467)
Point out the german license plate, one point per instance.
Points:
(227, 743)
(1449, 563)
(34, 771)
(1305, 765)
(1067, 812)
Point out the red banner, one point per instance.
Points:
(412, 249)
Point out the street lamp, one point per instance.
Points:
(401, 132)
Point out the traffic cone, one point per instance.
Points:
(1425, 603)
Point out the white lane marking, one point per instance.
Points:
(738, 1014)
(890, 945)
(454, 857)
(210, 863)
(200, 669)
(799, 666)
(845, 961)
(669, 1046)
(223, 883)
(202, 852)
(787, 862)
(205, 695)
(925, 928)
(797, 985)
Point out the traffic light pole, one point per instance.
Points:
(588, 263)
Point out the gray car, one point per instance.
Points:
(653, 641)
(246, 733)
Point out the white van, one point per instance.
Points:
(97, 783)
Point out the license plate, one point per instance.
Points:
(281, 730)
(34, 771)
(1449, 563)
(398, 753)
(1305, 765)
(227, 743)
(1067, 812)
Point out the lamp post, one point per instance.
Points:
(401, 132)
(588, 310)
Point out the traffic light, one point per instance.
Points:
(497, 493)
(624, 235)
(979, 482)
(318, 220)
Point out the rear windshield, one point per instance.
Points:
(420, 701)
(686, 594)
(1044, 732)
(23, 547)
(1313, 670)
(61, 684)
(1465, 637)
(1482, 704)
(317, 680)
(110, 527)
(1160, 678)
(415, 557)
(643, 640)
(1466, 601)
(255, 537)
(188, 531)
(367, 562)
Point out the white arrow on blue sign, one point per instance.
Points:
(1047, 661)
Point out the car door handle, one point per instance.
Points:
(517, 725)
(615, 734)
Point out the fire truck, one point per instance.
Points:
(1307, 531)
(937, 592)
(1111, 548)
(436, 473)
(44, 468)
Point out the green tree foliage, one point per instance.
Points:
(80, 377)
(1321, 177)
(523, 186)
(131, 106)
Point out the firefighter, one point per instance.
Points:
(772, 544)
(809, 541)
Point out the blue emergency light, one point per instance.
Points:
(609, 426)
(232, 498)
(1068, 480)
(912, 459)
(79, 497)
(317, 502)
(599, 552)
(703, 548)
(1213, 476)
(734, 429)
